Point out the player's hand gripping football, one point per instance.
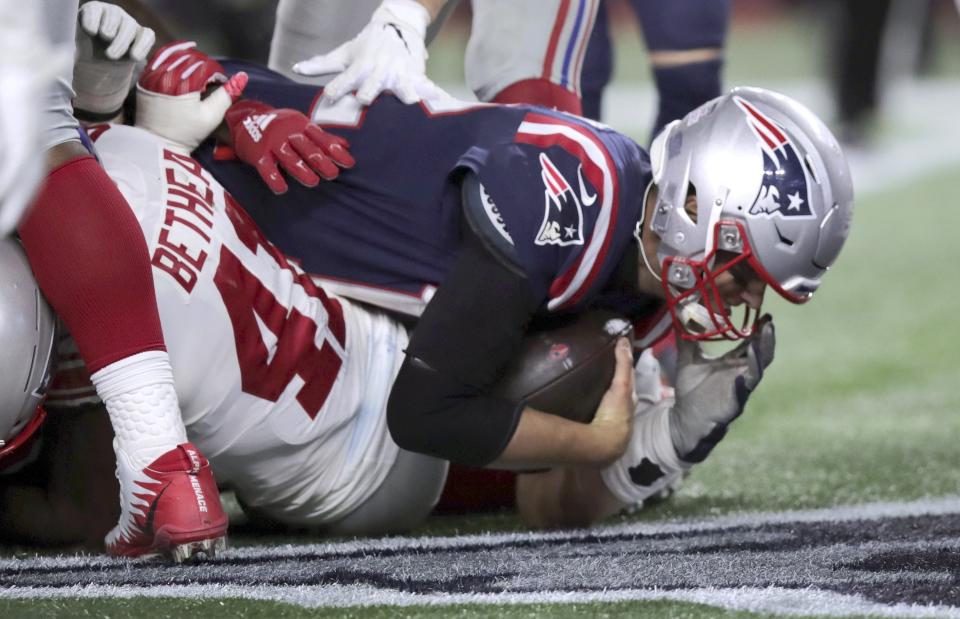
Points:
(270, 139)
(672, 433)
(388, 54)
(614, 418)
(712, 391)
(110, 43)
(171, 101)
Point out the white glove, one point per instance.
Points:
(647, 380)
(113, 25)
(388, 54)
(712, 391)
(102, 77)
(674, 433)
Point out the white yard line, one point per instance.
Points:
(772, 600)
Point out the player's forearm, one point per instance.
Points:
(543, 440)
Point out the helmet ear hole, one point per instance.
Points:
(690, 204)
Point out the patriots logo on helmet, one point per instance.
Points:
(783, 191)
(563, 215)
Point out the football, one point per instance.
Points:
(566, 366)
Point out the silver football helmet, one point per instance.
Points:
(772, 188)
(27, 340)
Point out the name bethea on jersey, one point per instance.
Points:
(187, 223)
(562, 212)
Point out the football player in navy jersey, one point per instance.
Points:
(497, 215)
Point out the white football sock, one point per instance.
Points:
(139, 395)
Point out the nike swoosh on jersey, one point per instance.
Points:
(585, 198)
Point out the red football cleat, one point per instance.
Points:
(170, 508)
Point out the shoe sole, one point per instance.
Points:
(180, 553)
(178, 546)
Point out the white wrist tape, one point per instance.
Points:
(100, 84)
(184, 121)
(650, 462)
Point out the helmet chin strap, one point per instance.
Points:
(638, 233)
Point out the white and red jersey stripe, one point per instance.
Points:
(544, 131)
(567, 45)
(513, 41)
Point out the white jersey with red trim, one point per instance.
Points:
(283, 387)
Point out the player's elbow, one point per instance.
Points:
(405, 421)
(409, 410)
(433, 414)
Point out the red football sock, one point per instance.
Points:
(90, 258)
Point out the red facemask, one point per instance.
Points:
(693, 296)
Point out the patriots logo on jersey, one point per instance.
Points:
(783, 191)
(562, 214)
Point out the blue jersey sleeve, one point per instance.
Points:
(566, 196)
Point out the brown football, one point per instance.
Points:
(565, 367)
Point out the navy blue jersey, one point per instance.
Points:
(562, 194)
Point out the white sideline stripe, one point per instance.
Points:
(867, 511)
(772, 600)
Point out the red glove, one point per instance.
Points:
(180, 68)
(170, 95)
(267, 137)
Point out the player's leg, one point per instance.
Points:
(90, 259)
(685, 39)
(856, 77)
(529, 52)
(405, 498)
(597, 65)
